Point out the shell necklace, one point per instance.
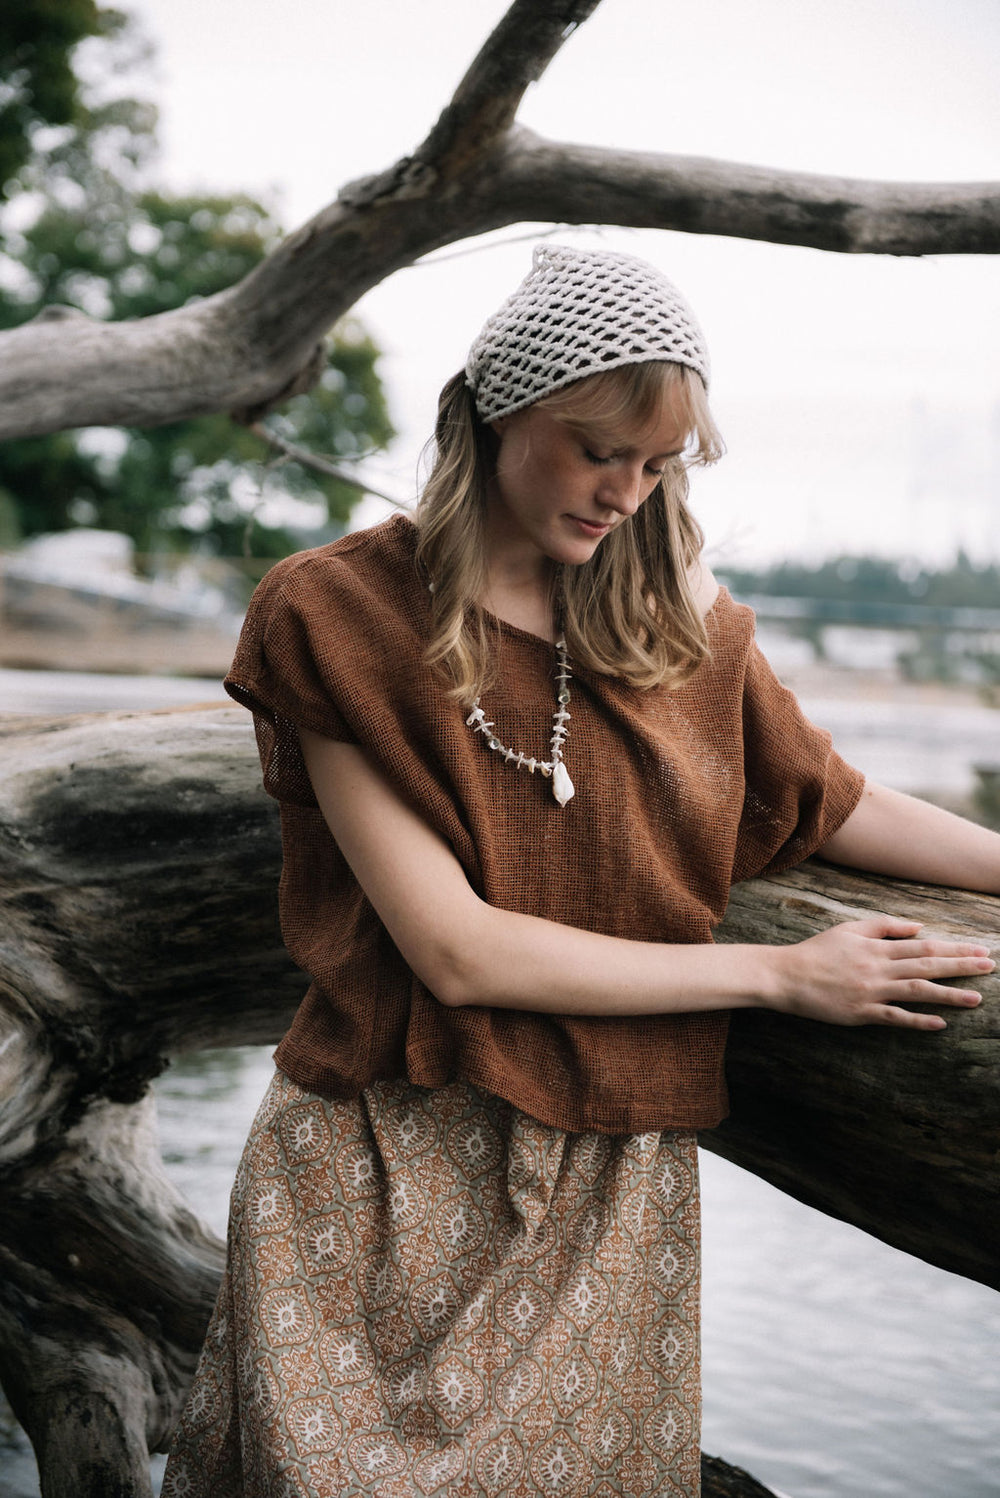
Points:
(562, 786)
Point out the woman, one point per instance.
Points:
(522, 749)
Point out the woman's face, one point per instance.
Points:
(561, 487)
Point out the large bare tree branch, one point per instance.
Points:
(486, 101)
(247, 349)
(699, 195)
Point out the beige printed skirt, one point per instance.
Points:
(429, 1292)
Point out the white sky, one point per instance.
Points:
(860, 396)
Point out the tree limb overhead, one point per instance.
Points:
(247, 348)
(540, 179)
(515, 55)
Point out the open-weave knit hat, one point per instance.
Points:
(578, 313)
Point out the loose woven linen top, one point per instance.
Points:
(679, 794)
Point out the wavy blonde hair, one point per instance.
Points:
(627, 612)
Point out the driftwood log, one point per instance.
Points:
(138, 867)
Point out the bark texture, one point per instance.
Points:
(247, 349)
(137, 920)
(139, 860)
(893, 1131)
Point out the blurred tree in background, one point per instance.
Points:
(963, 584)
(38, 86)
(81, 227)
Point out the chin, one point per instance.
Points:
(583, 550)
(573, 551)
(572, 556)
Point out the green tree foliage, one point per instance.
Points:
(875, 579)
(86, 233)
(38, 85)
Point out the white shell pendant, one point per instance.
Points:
(562, 787)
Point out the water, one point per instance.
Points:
(835, 1366)
(57, 692)
(912, 746)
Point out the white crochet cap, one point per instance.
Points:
(578, 313)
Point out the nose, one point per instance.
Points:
(622, 489)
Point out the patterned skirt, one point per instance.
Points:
(429, 1292)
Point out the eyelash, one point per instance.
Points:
(600, 463)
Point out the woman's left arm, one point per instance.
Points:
(904, 838)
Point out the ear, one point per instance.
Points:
(498, 425)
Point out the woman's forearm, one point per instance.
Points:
(504, 959)
(855, 973)
(470, 953)
(906, 838)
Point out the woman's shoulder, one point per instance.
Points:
(704, 587)
(731, 625)
(334, 620)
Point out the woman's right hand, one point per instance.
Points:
(860, 972)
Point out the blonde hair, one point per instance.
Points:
(627, 612)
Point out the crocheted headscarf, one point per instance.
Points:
(578, 313)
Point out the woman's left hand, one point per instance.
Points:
(860, 972)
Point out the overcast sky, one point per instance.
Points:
(860, 396)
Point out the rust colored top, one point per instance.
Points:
(679, 794)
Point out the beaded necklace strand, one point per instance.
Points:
(562, 786)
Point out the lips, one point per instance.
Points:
(593, 528)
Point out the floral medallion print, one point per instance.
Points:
(498, 1464)
(456, 1392)
(405, 1383)
(559, 1466)
(325, 1244)
(313, 1425)
(434, 1473)
(607, 1436)
(524, 1309)
(430, 1293)
(346, 1354)
(305, 1133)
(520, 1386)
(270, 1208)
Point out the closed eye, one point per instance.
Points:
(600, 462)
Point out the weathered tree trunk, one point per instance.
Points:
(137, 870)
(895, 1131)
(108, 1282)
(138, 867)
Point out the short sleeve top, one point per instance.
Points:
(680, 793)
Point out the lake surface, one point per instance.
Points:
(835, 1366)
(55, 692)
(912, 746)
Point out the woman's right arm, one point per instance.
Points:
(468, 952)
